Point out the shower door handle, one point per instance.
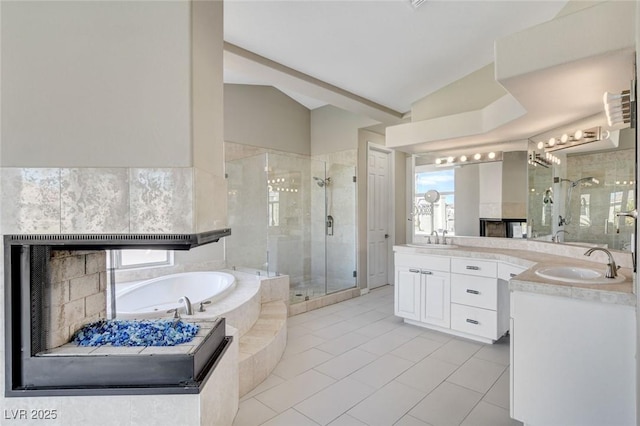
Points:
(631, 213)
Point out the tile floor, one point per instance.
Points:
(354, 363)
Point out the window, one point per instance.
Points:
(131, 259)
(438, 215)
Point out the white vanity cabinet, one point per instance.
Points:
(460, 296)
(572, 361)
(479, 301)
(422, 289)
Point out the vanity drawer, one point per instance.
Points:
(429, 263)
(476, 321)
(475, 267)
(481, 292)
(506, 271)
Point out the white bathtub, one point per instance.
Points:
(153, 298)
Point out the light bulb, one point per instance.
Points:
(492, 155)
(450, 159)
(564, 138)
(578, 135)
(540, 145)
(552, 142)
(438, 160)
(477, 156)
(463, 158)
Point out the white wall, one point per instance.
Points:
(467, 200)
(489, 189)
(334, 129)
(96, 84)
(265, 117)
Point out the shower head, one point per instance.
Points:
(322, 182)
(586, 180)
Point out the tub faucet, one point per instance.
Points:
(187, 305)
(612, 269)
(436, 234)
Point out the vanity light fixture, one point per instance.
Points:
(579, 137)
(548, 159)
(620, 108)
(450, 160)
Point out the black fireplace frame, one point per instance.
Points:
(27, 374)
(505, 223)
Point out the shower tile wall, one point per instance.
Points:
(296, 241)
(593, 207)
(341, 195)
(247, 201)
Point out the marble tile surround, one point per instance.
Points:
(111, 200)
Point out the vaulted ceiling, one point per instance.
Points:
(386, 52)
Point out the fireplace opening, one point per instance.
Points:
(57, 284)
(503, 228)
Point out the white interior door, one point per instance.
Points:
(378, 184)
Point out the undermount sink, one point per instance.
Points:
(433, 246)
(578, 275)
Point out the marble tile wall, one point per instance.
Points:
(30, 200)
(110, 200)
(93, 199)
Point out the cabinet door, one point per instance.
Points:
(436, 297)
(407, 291)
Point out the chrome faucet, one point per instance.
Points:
(444, 237)
(556, 238)
(612, 269)
(436, 234)
(187, 305)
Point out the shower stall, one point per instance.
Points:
(295, 216)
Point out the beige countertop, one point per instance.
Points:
(617, 293)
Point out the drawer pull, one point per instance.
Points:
(472, 291)
(473, 268)
(427, 272)
(512, 275)
(414, 270)
(470, 321)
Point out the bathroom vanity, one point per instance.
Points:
(572, 343)
(453, 293)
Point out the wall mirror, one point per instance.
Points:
(576, 194)
(584, 189)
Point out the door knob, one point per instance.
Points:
(386, 235)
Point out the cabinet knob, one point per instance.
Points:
(427, 272)
(415, 271)
(473, 268)
(470, 321)
(472, 291)
(512, 275)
